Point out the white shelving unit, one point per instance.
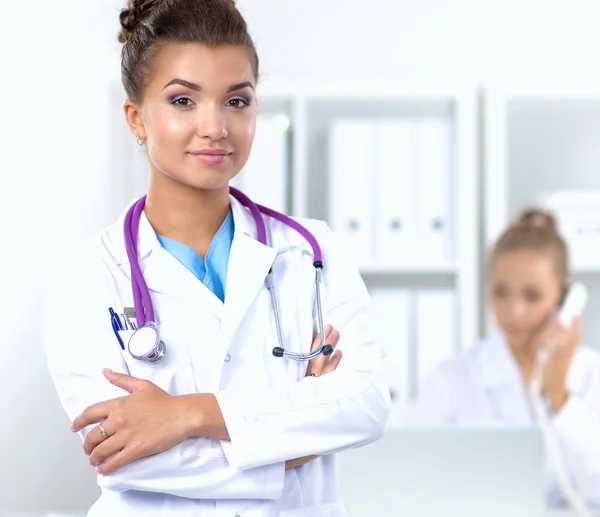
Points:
(540, 140)
(312, 106)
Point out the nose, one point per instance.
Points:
(212, 122)
(516, 310)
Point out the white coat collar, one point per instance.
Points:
(148, 242)
(498, 366)
(503, 383)
(249, 264)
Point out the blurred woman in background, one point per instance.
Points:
(488, 383)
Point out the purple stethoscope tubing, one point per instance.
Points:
(144, 310)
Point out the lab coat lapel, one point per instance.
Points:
(164, 274)
(504, 388)
(249, 264)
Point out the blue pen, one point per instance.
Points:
(116, 325)
(114, 316)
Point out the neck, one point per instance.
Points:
(188, 215)
(524, 355)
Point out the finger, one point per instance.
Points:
(120, 459)
(112, 445)
(334, 338)
(576, 328)
(94, 413)
(94, 438)
(292, 464)
(568, 337)
(333, 363)
(298, 462)
(573, 327)
(317, 337)
(323, 360)
(313, 363)
(122, 380)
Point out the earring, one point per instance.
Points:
(138, 141)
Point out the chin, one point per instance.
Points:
(518, 340)
(207, 181)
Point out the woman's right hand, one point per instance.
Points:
(316, 367)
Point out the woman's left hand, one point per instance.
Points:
(560, 354)
(146, 422)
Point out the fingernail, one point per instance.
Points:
(98, 470)
(328, 329)
(108, 370)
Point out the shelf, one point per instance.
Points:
(444, 268)
(590, 269)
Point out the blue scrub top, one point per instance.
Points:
(212, 271)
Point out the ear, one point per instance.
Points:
(133, 117)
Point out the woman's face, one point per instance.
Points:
(198, 114)
(525, 292)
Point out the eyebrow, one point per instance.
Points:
(197, 88)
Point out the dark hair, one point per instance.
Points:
(536, 230)
(147, 25)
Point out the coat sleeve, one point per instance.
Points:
(343, 409)
(577, 426)
(79, 343)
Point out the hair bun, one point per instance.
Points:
(132, 15)
(536, 218)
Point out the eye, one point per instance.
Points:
(181, 100)
(499, 292)
(532, 296)
(238, 102)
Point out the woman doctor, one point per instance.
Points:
(487, 384)
(220, 426)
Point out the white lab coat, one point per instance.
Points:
(483, 386)
(273, 413)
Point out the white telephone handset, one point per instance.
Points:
(571, 306)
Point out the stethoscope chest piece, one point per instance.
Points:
(145, 344)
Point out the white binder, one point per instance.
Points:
(352, 185)
(578, 218)
(392, 325)
(436, 330)
(396, 202)
(434, 188)
(265, 177)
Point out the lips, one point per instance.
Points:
(212, 152)
(212, 157)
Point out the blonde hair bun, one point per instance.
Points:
(537, 218)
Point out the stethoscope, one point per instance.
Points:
(145, 344)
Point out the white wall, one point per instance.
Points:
(57, 175)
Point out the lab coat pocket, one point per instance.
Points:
(173, 373)
(333, 509)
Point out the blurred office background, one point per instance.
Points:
(486, 107)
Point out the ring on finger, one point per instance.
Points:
(103, 432)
